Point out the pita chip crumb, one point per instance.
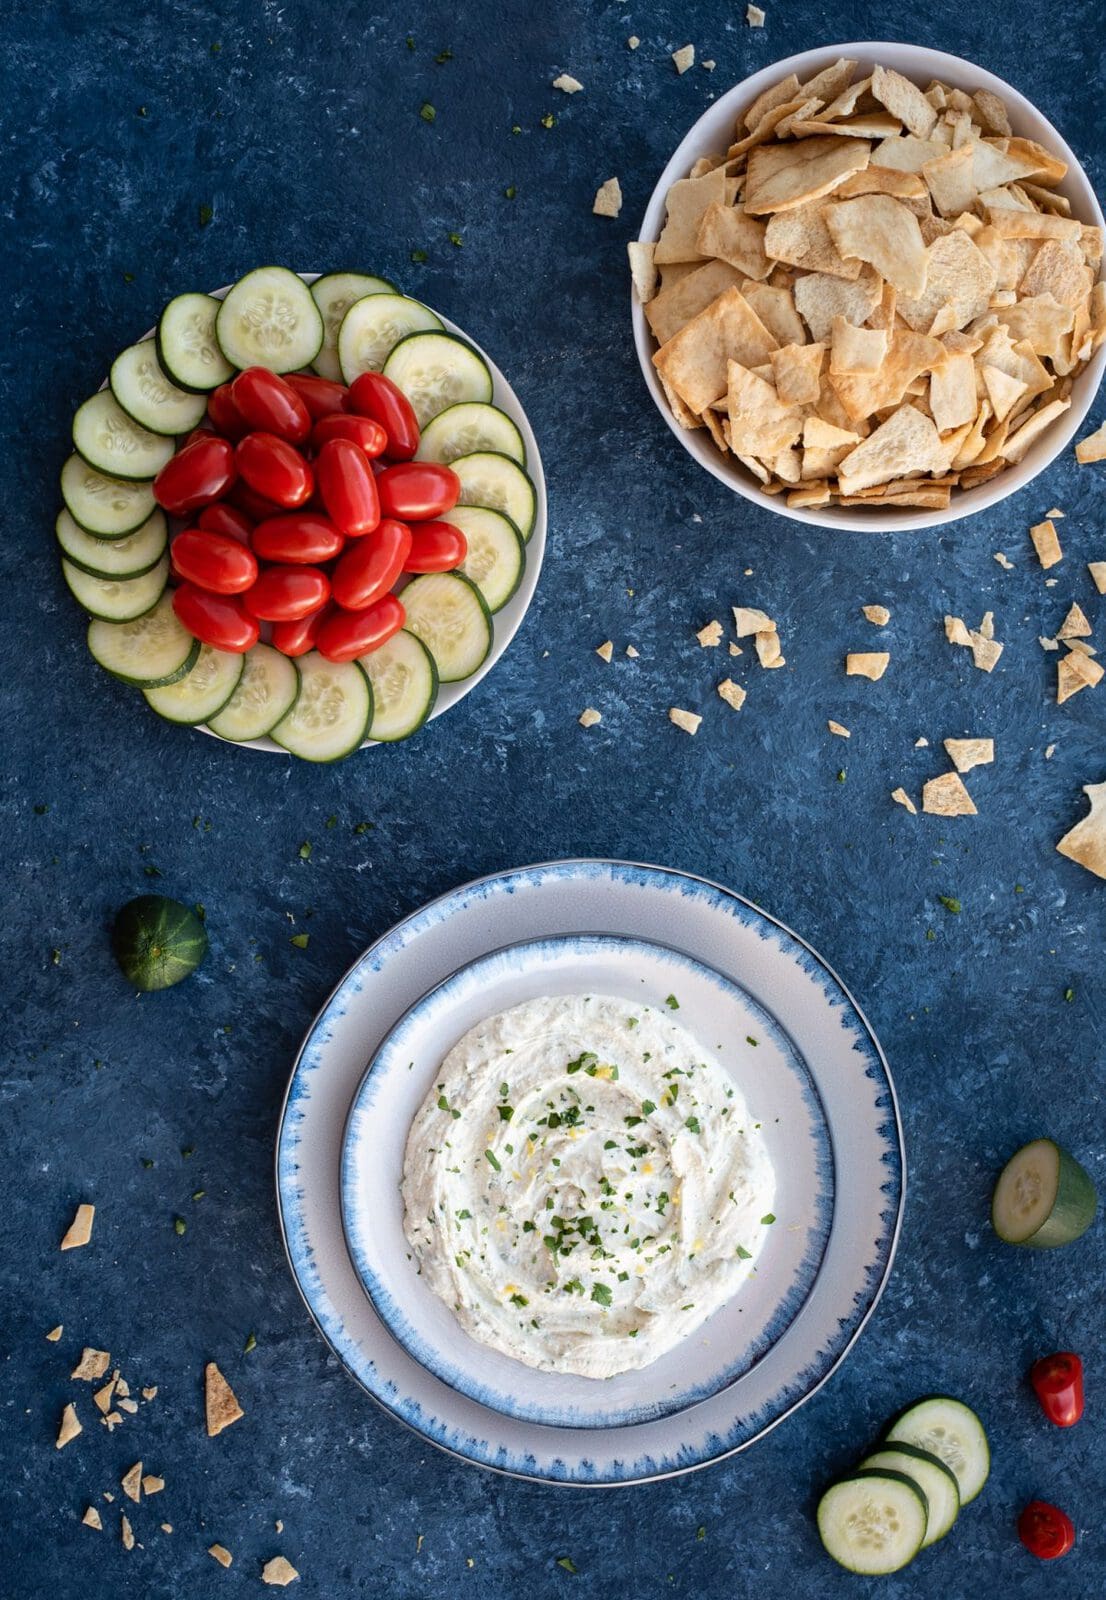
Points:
(732, 693)
(632, 42)
(1092, 448)
(1075, 624)
(567, 84)
(1004, 561)
(221, 1554)
(867, 664)
(220, 1405)
(79, 1231)
(152, 1484)
(150, 1393)
(166, 1527)
(968, 753)
(710, 636)
(754, 16)
(91, 1518)
(956, 631)
(879, 616)
(768, 650)
(922, 743)
(608, 199)
(901, 798)
(946, 796)
(589, 717)
(632, 653)
(126, 1533)
(839, 730)
(131, 1483)
(68, 1429)
(985, 651)
(643, 269)
(1074, 672)
(55, 1334)
(684, 58)
(93, 1364)
(1047, 644)
(1046, 542)
(747, 620)
(1086, 842)
(279, 1571)
(687, 720)
(606, 650)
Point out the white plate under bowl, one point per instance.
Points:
(750, 1046)
(713, 926)
(713, 133)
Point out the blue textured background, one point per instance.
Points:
(298, 124)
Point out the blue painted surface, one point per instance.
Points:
(302, 133)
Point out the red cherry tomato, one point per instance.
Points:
(275, 469)
(368, 435)
(200, 473)
(216, 619)
(1046, 1531)
(253, 506)
(348, 488)
(436, 547)
(321, 397)
(283, 594)
(373, 395)
(1058, 1384)
(272, 405)
(222, 518)
(371, 565)
(296, 638)
(345, 635)
(214, 561)
(224, 414)
(299, 536)
(197, 433)
(418, 490)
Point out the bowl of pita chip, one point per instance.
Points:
(867, 292)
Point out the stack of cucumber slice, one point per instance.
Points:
(907, 1493)
(114, 539)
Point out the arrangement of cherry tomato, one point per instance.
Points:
(1046, 1531)
(304, 510)
(1058, 1384)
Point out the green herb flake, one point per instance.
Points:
(151, 871)
(700, 1533)
(601, 1294)
(456, 240)
(1019, 888)
(568, 1564)
(128, 277)
(672, 1003)
(300, 940)
(950, 903)
(304, 851)
(743, 1254)
(179, 1225)
(199, 1194)
(489, 1157)
(768, 1219)
(41, 810)
(187, 1152)
(332, 821)
(750, 1040)
(548, 120)
(215, 49)
(505, 1113)
(366, 827)
(418, 257)
(1069, 995)
(410, 42)
(510, 191)
(427, 112)
(146, 1162)
(692, 1125)
(930, 934)
(647, 1108)
(841, 775)
(442, 57)
(205, 214)
(519, 1300)
(250, 1344)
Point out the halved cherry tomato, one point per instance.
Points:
(345, 635)
(200, 473)
(253, 506)
(214, 561)
(371, 565)
(275, 469)
(224, 414)
(221, 518)
(321, 397)
(1046, 1531)
(296, 638)
(361, 431)
(436, 547)
(1058, 1384)
(299, 536)
(373, 395)
(348, 488)
(216, 619)
(418, 490)
(270, 404)
(283, 594)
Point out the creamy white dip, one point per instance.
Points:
(583, 1184)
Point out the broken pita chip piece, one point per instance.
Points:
(748, 620)
(221, 1554)
(946, 796)
(608, 199)
(685, 204)
(867, 664)
(767, 645)
(783, 176)
(93, 1364)
(55, 1333)
(131, 1482)
(1097, 570)
(676, 303)
(879, 616)
(68, 1428)
(1017, 444)
(695, 362)
(839, 729)
(901, 798)
(1046, 542)
(152, 1484)
(79, 1231)
(985, 651)
(91, 1518)
(1003, 391)
(567, 84)
(710, 636)
(907, 442)
(857, 350)
(220, 1405)
(797, 373)
(278, 1571)
(688, 721)
(605, 651)
(726, 233)
(800, 238)
(1092, 448)
(904, 100)
(1086, 842)
(968, 753)
(760, 423)
(1074, 672)
(683, 58)
(589, 717)
(732, 693)
(879, 230)
(1075, 624)
(643, 269)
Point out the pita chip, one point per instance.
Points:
(796, 370)
(91, 1518)
(676, 304)
(905, 101)
(801, 238)
(643, 269)
(857, 350)
(686, 202)
(1075, 671)
(784, 176)
(1086, 842)
(687, 721)
(901, 798)
(1075, 624)
(728, 234)
(951, 182)
(907, 442)
(1017, 444)
(92, 1365)
(958, 275)
(1003, 391)
(819, 298)
(1097, 570)
(131, 1482)
(968, 753)
(776, 309)
(79, 1231)
(68, 1429)
(760, 423)
(695, 361)
(279, 1571)
(787, 89)
(946, 796)
(952, 396)
(1092, 448)
(608, 198)
(831, 81)
(908, 154)
(220, 1405)
(879, 230)
(732, 693)
(867, 664)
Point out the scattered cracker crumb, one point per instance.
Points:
(968, 753)
(79, 1231)
(220, 1405)
(710, 636)
(768, 649)
(1050, 751)
(567, 84)
(151, 1484)
(608, 199)
(69, 1428)
(166, 1527)
(150, 1393)
(1046, 542)
(221, 1554)
(605, 650)
(709, 66)
(91, 1518)
(879, 615)
(687, 720)
(121, 1384)
(1086, 841)
(125, 1532)
(735, 649)
(633, 41)
(956, 631)
(747, 620)
(1093, 447)
(278, 1571)
(867, 664)
(1074, 672)
(632, 653)
(1050, 583)
(93, 1364)
(732, 693)
(589, 717)
(1082, 646)
(684, 58)
(55, 1334)
(1075, 624)
(1097, 570)
(109, 1497)
(985, 652)
(754, 16)
(901, 798)
(1047, 644)
(278, 1525)
(111, 1421)
(1004, 561)
(946, 796)
(1055, 512)
(131, 1483)
(922, 743)
(838, 728)
(129, 1406)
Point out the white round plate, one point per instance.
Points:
(779, 974)
(752, 1049)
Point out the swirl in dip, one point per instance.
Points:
(583, 1185)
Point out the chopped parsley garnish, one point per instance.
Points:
(692, 1125)
(305, 850)
(672, 1003)
(455, 239)
(418, 257)
(179, 1225)
(768, 1219)
(750, 1040)
(568, 1564)
(1069, 995)
(504, 1090)
(427, 112)
(519, 1300)
(505, 1113)
(587, 1059)
(250, 1344)
(443, 56)
(601, 1294)
(746, 1255)
(464, 1215)
(205, 215)
(647, 1108)
(489, 1157)
(548, 120)
(300, 940)
(950, 903)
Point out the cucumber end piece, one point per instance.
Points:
(1043, 1198)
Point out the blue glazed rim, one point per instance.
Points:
(433, 1358)
(461, 1443)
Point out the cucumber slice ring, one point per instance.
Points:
(114, 444)
(187, 347)
(105, 507)
(404, 682)
(936, 1481)
(332, 714)
(148, 397)
(466, 427)
(266, 692)
(951, 1431)
(128, 557)
(436, 371)
(118, 599)
(334, 293)
(873, 1522)
(1043, 1197)
(269, 319)
(203, 691)
(155, 649)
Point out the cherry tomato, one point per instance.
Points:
(198, 433)
(368, 435)
(222, 518)
(224, 414)
(284, 594)
(348, 488)
(300, 536)
(214, 561)
(321, 397)
(1058, 1384)
(275, 469)
(253, 506)
(418, 490)
(296, 638)
(373, 395)
(217, 619)
(345, 635)
(272, 405)
(371, 565)
(200, 473)
(1046, 1531)
(436, 547)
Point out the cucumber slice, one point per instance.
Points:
(113, 558)
(202, 692)
(449, 615)
(1043, 1197)
(147, 395)
(186, 344)
(372, 327)
(107, 508)
(405, 686)
(266, 691)
(332, 714)
(269, 319)
(951, 1431)
(438, 370)
(117, 599)
(155, 649)
(108, 440)
(489, 478)
(461, 429)
(334, 293)
(873, 1522)
(936, 1481)
(496, 557)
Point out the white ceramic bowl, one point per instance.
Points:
(712, 133)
